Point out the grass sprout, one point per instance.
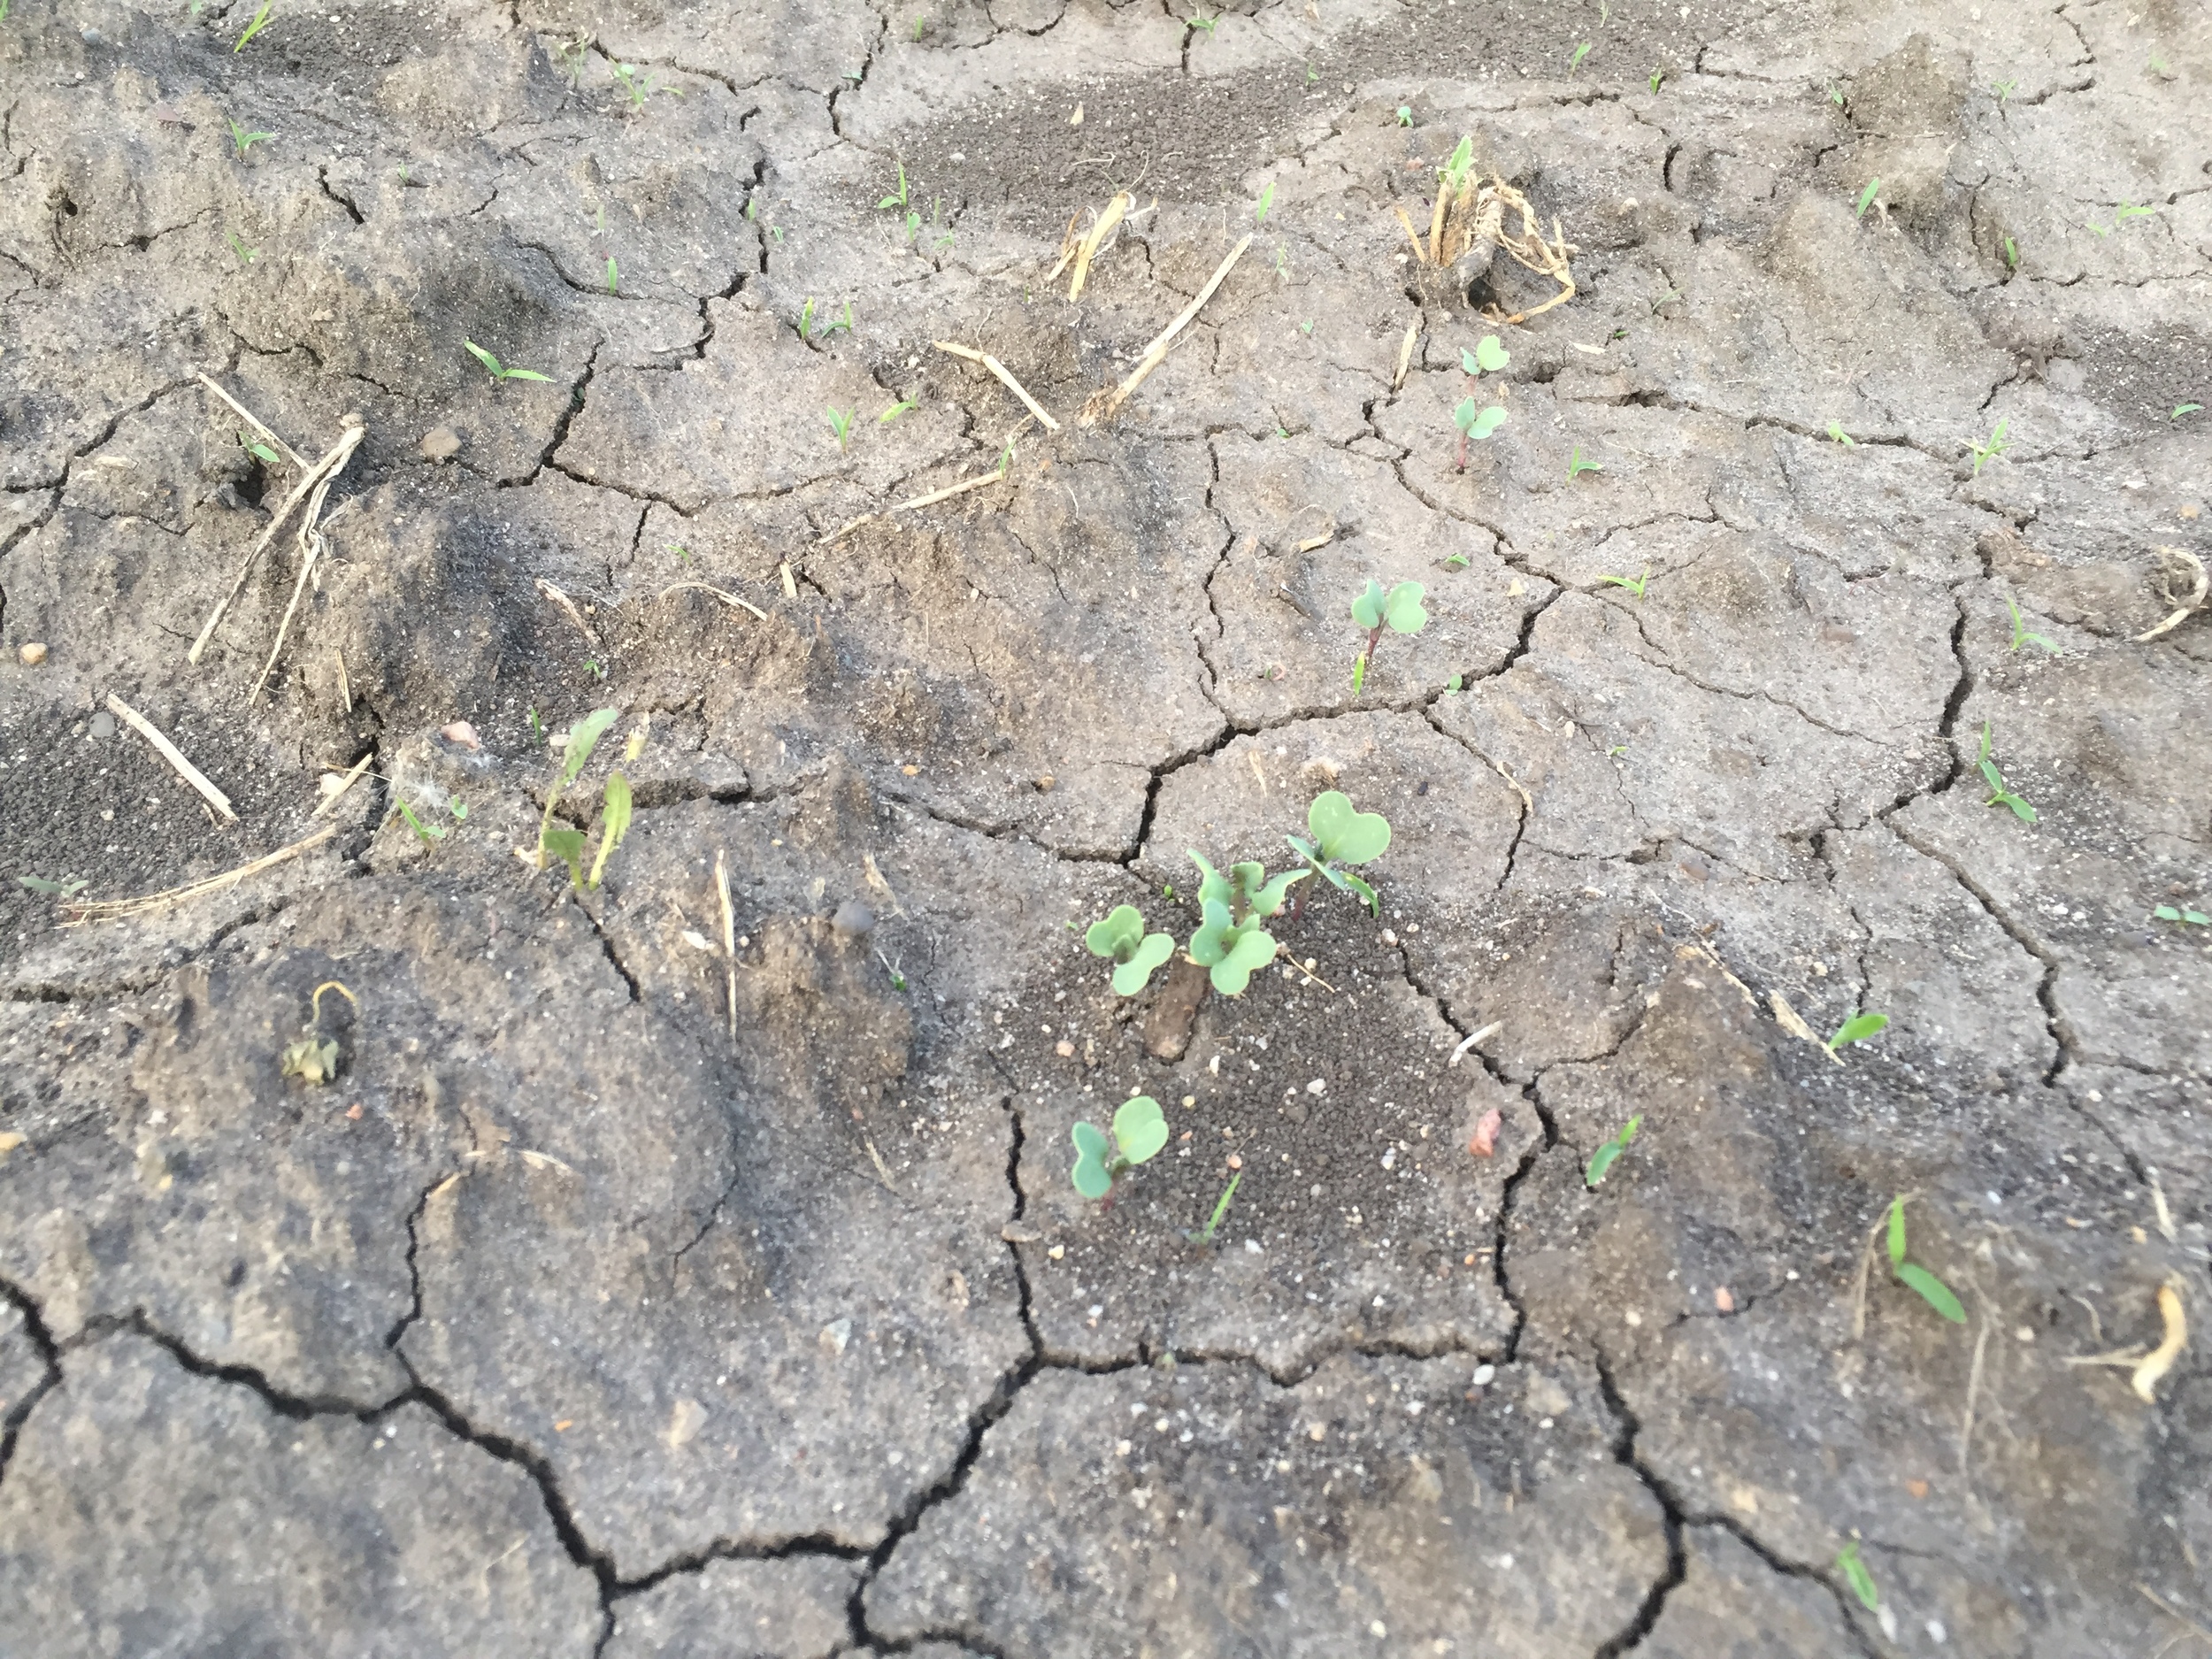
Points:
(1916, 1278)
(1635, 584)
(1604, 1157)
(260, 22)
(2020, 634)
(1998, 794)
(499, 370)
(242, 141)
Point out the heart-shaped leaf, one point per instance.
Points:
(1116, 935)
(1091, 1176)
(1367, 610)
(1139, 1128)
(1212, 885)
(1933, 1291)
(1248, 952)
(1465, 414)
(1347, 836)
(1487, 422)
(1490, 355)
(1212, 942)
(1268, 899)
(1403, 610)
(1130, 977)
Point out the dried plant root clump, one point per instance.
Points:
(1469, 217)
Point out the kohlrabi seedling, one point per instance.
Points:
(1602, 1159)
(1836, 431)
(1398, 609)
(1343, 835)
(1473, 422)
(1914, 1277)
(1120, 934)
(1858, 1028)
(1229, 943)
(1999, 795)
(2163, 913)
(497, 370)
(1140, 1132)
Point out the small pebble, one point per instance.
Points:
(1063, 1049)
(1236, 1163)
(853, 920)
(30, 654)
(103, 725)
(1484, 1375)
(461, 734)
(1057, 1251)
(1724, 1298)
(441, 444)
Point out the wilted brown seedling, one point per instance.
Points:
(314, 1058)
(1469, 215)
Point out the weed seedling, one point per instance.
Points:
(1836, 431)
(69, 887)
(1205, 21)
(2012, 254)
(1866, 197)
(920, 23)
(260, 22)
(583, 737)
(2184, 408)
(1140, 1132)
(1856, 1574)
(897, 198)
(896, 411)
(2128, 211)
(1267, 200)
(1405, 115)
(242, 141)
(2020, 634)
(1658, 75)
(498, 370)
(245, 255)
(841, 422)
(314, 1058)
(1229, 943)
(1602, 1159)
(596, 669)
(2000, 796)
(428, 834)
(2164, 912)
(1575, 63)
(1399, 610)
(1858, 1028)
(1120, 934)
(614, 277)
(1835, 96)
(2004, 90)
(537, 725)
(1985, 453)
(1476, 424)
(1576, 466)
(1932, 1290)
(1342, 835)
(1635, 587)
(573, 56)
(1313, 74)
(806, 320)
(625, 75)
(1221, 1209)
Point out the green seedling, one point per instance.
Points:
(2099, 230)
(1229, 943)
(897, 198)
(920, 23)
(1120, 934)
(841, 422)
(1342, 835)
(1576, 466)
(1985, 453)
(1453, 174)
(1221, 1209)
(1488, 356)
(1399, 610)
(260, 22)
(1575, 63)
(314, 1058)
(1140, 1132)
(497, 370)
(1836, 431)
(1835, 96)
(537, 725)
(1405, 115)
(614, 276)
(459, 808)
(913, 225)
(1205, 21)
(2012, 254)
(896, 411)
(1866, 197)
(1267, 200)
(2164, 912)
(614, 824)
(806, 320)
(2020, 634)
(2004, 90)
(1658, 75)
(67, 889)
(1999, 795)
(1603, 1158)
(583, 737)
(1635, 585)
(428, 834)
(1670, 295)
(246, 256)
(1313, 74)
(259, 451)
(898, 979)
(242, 141)
(1930, 1289)
(2184, 408)
(1856, 1574)
(1475, 423)
(1858, 1028)
(1455, 561)
(596, 669)
(1457, 683)
(2128, 211)
(573, 56)
(625, 75)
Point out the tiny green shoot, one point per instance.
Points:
(2012, 254)
(2004, 90)
(626, 75)
(583, 737)
(1858, 1028)
(1866, 197)
(1221, 1209)
(1856, 1574)
(2128, 211)
(1658, 75)
(242, 141)
(1835, 96)
(897, 198)
(2163, 913)
(896, 411)
(2184, 408)
(1399, 609)
(1205, 21)
(1581, 52)
(260, 22)
(1603, 1158)
(429, 834)
(1120, 934)
(614, 277)
(2021, 635)
(1576, 466)
(259, 451)
(1836, 431)
(1229, 943)
(1634, 585)
(806, 319)
(537, 725)
(1260, 208)
(1313, 74)
(67, 889)
(841, 422)
(614, 824)
(1985, 453)
(246, 255)
(596, 669)
(1342, 835)
(1932, 1290)
(1139, 1131)
(1405, 115)
(498, 370)
(920, 23)
(1998, 794)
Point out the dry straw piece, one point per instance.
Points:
(171, 753)
(729, 599)
(1104, 405)
(1476, 213)
(2179, 561)
(1080, 250)
(1005, 378)
(113, 910)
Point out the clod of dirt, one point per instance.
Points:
(30, 654)
(441, 444)
(853, 920)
